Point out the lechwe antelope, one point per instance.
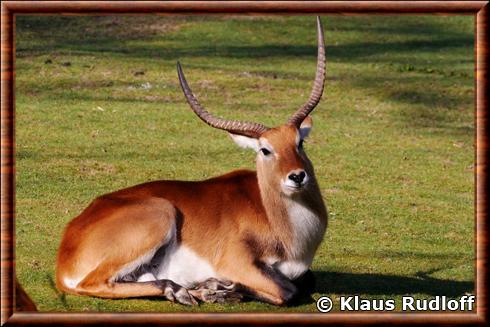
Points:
(244, 233)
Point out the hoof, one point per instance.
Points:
(176, 293)
(216, 296)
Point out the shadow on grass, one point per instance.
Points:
(356, 284)
(74, 40)
(372, 285)
(420, 58)
(52, 285)
(384, 285)
(378, 284)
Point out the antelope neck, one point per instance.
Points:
(277, 207)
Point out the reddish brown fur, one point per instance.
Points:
(200, 206)
(22, 301)
(259, 230)
(222, 219)
(283, 139)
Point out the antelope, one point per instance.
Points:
(245, 234)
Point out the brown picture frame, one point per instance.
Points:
(9, 9)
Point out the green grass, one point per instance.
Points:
(98, 108)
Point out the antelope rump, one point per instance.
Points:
(243, 234)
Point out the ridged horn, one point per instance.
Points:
(316, 93)
(233, 126)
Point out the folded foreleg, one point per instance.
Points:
(215, 290)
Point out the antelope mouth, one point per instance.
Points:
(295, 188)
(291, 187)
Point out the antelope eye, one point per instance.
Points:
(265, 151)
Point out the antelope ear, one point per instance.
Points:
(245, 142)
(305, 128)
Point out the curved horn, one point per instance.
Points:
(316, 92)
(233, 126)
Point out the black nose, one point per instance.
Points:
(297, 178)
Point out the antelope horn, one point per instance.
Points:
(233, 126)
(316, 92)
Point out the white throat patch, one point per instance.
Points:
(308, 230)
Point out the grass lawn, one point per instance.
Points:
(99, 108)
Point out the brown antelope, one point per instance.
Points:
(244, 233)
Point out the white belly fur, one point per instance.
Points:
(185, 267)
(181, 265)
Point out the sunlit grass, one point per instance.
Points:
(98, 108)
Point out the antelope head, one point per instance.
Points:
(281, 161)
